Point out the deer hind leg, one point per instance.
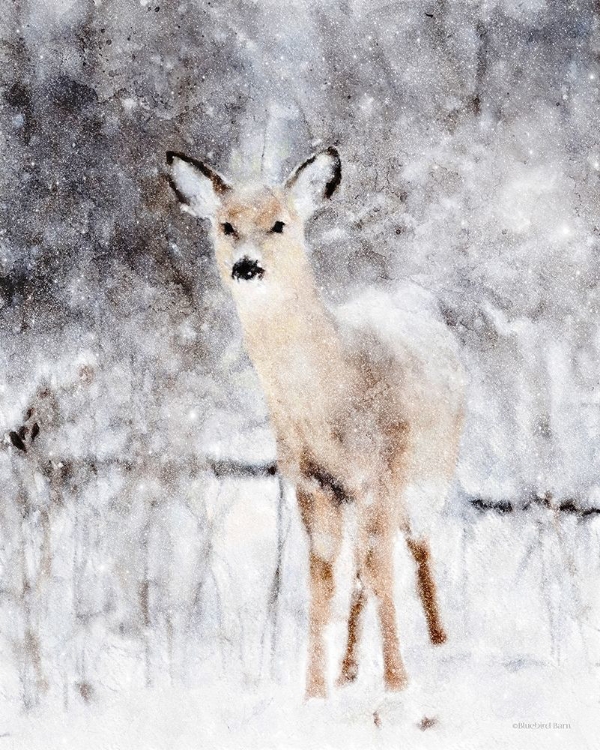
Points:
(427, 589)
(349, 669)
(322, 518)
(377, 570)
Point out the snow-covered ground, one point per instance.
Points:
(519, 595)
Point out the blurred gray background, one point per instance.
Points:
(469, 138)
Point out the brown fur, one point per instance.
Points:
(427, 590)
(355, 424)
(349, 669)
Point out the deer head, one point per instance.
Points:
(257, 231)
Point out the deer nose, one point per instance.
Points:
(246, 269)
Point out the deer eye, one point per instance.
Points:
(278, 227)
(228, 228)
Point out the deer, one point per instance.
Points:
(361, 421)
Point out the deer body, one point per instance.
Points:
(358, 420)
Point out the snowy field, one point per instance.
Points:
(153, 570)
(519, 593)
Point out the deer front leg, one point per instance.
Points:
(427, 590)
(378, 573)
(322, 519)
(349, 670)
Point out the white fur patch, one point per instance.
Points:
(308, 186)
(323, 545)
(423, 503)
(196, 189)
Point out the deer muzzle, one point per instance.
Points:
(246, 269)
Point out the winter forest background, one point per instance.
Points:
(146, 547)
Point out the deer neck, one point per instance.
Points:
(289, 333)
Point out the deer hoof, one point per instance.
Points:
(316, 688)
(348, 674)
(438, 637)
(396, 680)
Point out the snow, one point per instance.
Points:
(523, 648)
(137, 581)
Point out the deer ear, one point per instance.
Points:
(312, 183)
(198, 187)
